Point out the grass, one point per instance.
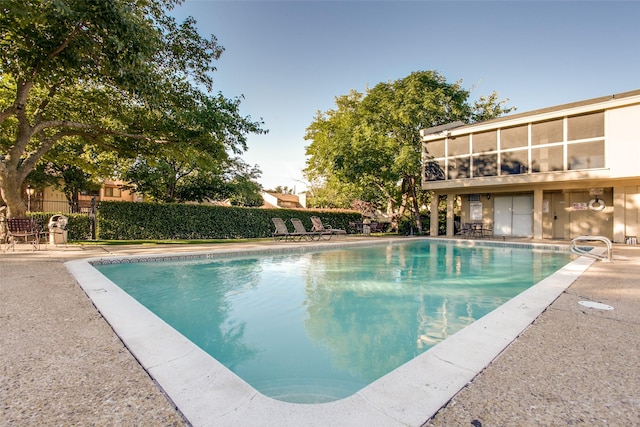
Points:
(164, 242)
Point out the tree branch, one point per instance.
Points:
(43, 105)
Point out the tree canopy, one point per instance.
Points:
(370, 143)
(120, 77)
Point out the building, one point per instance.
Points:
(287, 201)
(554, 173)
(52, 200)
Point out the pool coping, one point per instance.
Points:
(207, 393)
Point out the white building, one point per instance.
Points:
(554, 173)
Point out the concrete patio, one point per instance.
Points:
(64, 365)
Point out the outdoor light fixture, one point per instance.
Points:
(30, 192)
(488, 196)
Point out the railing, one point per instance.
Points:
(579, 251)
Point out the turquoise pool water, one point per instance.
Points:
(319, 326)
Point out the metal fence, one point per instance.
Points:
(63, 206)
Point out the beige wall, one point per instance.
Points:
(623, 141)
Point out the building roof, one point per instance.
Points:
(587, 102)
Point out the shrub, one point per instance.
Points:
(154, 221)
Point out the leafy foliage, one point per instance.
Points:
(118, 77)
(370, 144)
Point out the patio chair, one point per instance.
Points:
(302, 232)
(25, 228)
(377, 227)
(325, 230)
(466, 230)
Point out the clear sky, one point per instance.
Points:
(290, 59)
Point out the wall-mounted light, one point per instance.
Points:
(488, 196)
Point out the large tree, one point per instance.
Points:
(372, 141)
(120, 76)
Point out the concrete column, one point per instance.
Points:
(619, 226)
(451, 197)
(537, 213)
(433, 228)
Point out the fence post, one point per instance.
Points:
(92, 215)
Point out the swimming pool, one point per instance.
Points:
(206, 391)
(319, 326)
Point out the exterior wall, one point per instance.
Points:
(623, 141)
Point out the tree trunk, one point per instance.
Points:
(10, 190)
(416, 208)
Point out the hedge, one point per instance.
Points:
(153, 221)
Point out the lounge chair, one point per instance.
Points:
(281, 233)
(302, 232)
(319, 227)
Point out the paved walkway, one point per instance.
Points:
(63, 365)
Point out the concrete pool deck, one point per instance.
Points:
(62, 363)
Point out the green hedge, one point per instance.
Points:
(153, 221)
(79, 225)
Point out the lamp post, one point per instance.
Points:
(30, 192)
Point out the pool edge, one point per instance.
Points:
(207, 393)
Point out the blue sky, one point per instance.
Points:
(290, 59)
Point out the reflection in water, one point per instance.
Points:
(319, 326)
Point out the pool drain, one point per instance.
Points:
(596, 305)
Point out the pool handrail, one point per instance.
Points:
(577, 250)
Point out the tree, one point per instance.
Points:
(372, 141)
(117, 76)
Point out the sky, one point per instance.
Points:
(290, 59)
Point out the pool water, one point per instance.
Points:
(318, 326)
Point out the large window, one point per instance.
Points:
(585, 126)
(546, 132)
(485, 141)
(514, 162)
(435, 149)
(459, 168)
(547, 159)
(514, 137)
(459, 146)
(485, 165)
(561, 144)
(586, 155)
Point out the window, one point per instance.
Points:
(434, 170)
(459, 168)
(514, 137)
(112, 192)
(459, 145)
(547, 159)
(435, 149)
(514, 162)
(546, 132)
(485, 141)
(585, 126)
(485, 165)
(586, 155)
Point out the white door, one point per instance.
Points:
(513, 216)
(522, 216)
(502, 216)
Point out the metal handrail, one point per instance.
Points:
(577, 250)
